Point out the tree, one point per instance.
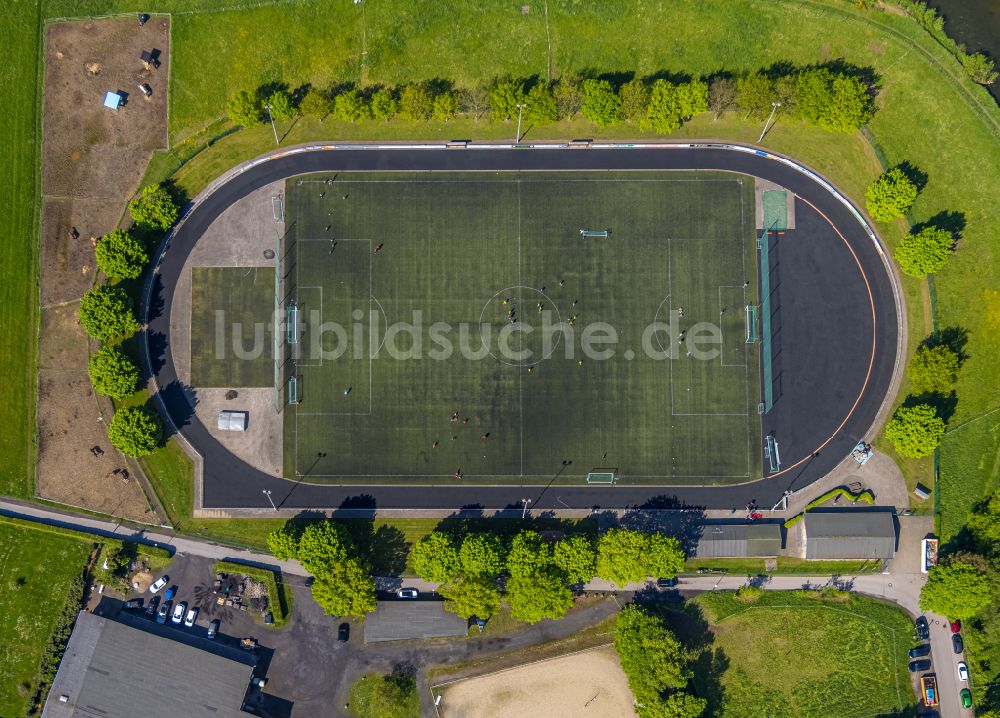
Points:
(344, 588)
(721, 95)
(925, 252)
(576, 557)
(852, 106)
(627, 556)
(322, 545)
(815, 94)
(755, 93)
(670, 104)
(505, 95)
(435, 557)
(601, 104)
(120, 255)
(933, 369)
(634, 97)
(136, 430)
(568, 97)
(153, 208)
(282, 107)
(316, 103)
(384, 105)
(528, 553)
(446, 105)
(283, 543)
(350, 106)
(470, 597)
(245, 108)
(475, 101)
(106, 313)
(915, 430)
(482, 555)
(890, 196)
(984, 523)
(415, 102)
(542, 594)
(980, 68)
(541, 105)
(957, 590)
(113, 373)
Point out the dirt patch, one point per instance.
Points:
(589, 683)
(69, 428)
(70, 229)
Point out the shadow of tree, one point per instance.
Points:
(955, 338)
(913, 173)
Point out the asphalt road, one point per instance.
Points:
(835, 339)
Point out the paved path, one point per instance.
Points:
(900, 588)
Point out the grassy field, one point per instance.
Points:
(507, 255)
(382, 695)
(786, 564)
(789, 655)
(36, 571)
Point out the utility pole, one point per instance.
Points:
(524, 512)
(267, 493)
(774, 109)
(271, 118)
(520, 111)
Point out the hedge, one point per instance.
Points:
(865, 496)
(279, 598)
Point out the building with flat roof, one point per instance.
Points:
(114, 670)
(849, 535)
(739, 540)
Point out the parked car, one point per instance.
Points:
(133, 603)
(666, 582)
(344, 632)
(923, 630)
(153, 604)
(922, 665)
(171, 592)
(407, 593)
(920, 651)
(192, 616)
(956, 642)
(159, 583)
(213, 628)
(966, 696)
(161, 616)
(963, 672)
(178, 614)
(956, 626)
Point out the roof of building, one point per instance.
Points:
(403, 620)
(112, 99)
(230, 420)
(849, 535)
(113, 670)
(738, 540)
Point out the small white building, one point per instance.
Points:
(233, 420)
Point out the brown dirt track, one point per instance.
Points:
(93, 160)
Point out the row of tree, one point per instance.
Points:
(835, 98)
(536, 576)
(107, 313)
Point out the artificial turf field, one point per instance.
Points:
(458, 253)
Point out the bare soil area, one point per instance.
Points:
(69, 428)
(589, 683)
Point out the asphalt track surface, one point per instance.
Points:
(834, 328)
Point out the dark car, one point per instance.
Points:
(171, 592)
(133, 603)
(151, 607)
(344, 632)
(920, 651)
(213, 628)
(666, 582)
(923, 630)
(956, 642)
(917, 666)
(161, 615)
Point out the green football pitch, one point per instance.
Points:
(463, 323)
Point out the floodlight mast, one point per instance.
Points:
(774, 109)
(273, 128)
(520, 112)
(267, 493)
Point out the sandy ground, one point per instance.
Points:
(589, 684)
(68, 428)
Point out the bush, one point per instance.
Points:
(280, 104)
(445, 106)
(136, 431)
(505, 96)
(957, 590)
(106, 313)
(383, 105)
(350, 106)
(890, 196)
(316, 103)
(933, 369)
(749, 594)
(541, 109)
(245, 108)
(154, 208)
(120, 255)
(113, 373)
(980, 68)
(866, 497)
(669, 104)
(415, 102)
(915, 431)
(601, 104)
(925, 252)
(634, 97)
